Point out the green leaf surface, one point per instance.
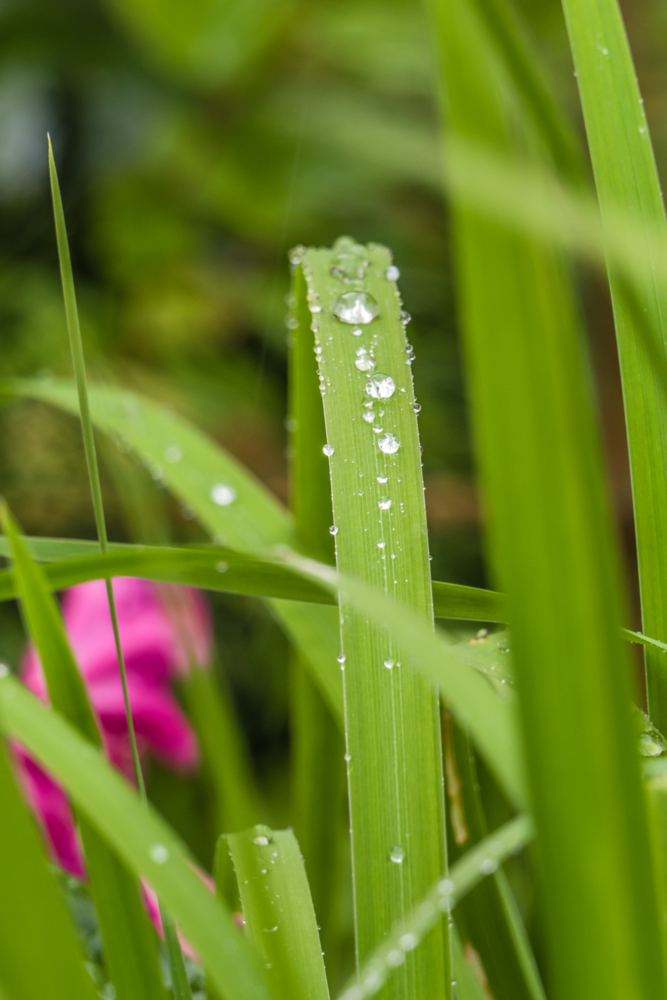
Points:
(39, 954)
(395, 774)
(627, 180)
(278, 910)
(130, 944)
(140, 837)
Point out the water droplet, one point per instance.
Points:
(328, 450)
(4, 671)
(222, 567)
(261, 841)
(348, 267)
(380, 544)
(389, 663)
(650, 746)
(389, 444)
(392, 273)
(405, 317)
(333, 530)
(605, 52)
(296, 255)
(173, 454)
(488, 866)
(408, 941)
(365, 362)
(642, 130)
(380, 386)
(356, 307)
(417, 407)
(347, 757)
(382, 479)
(341, 658)
(446, 887)
(384, 503)
(482, 633)
(158, 853)
(368, 416)
(223, 495)
(397, 854)
(357, 332)
(395, 958)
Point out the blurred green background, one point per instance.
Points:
(197, 142)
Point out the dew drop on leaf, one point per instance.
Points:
(356, 307)
(380, 386)
(222, 494)
(389, 444)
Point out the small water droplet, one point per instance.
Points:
(389, 663)
(642, 130)
(380, 386)
(356, 308)
(482, 633)
(4, 671)
(368, 416)
(357, 332)
(488, 866)
(341, 658)
(222, 567)
(392, 273)
(158, 853)
(382, 479)
(291, 322)
(417, 407)
(261, 841)
(347, 757)
(408, 942)
(397, 854)
(395, 957)
(333, 530)
(384, 503)
(173, 454)
(605, 52)
(389, 444)
(328, 450)
(365, 362)
(380, 544)
(296, 255)
(223, 495)
(405, 317)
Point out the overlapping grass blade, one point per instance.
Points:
(409, 934)
(139, 836)
(391, 715)
(552, 550)
(627, 180)
(317, 745)
(39, 953)
(278, 910)
(130, 944)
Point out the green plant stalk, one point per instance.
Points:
(394, 758)
(317, 747)
(278, 909)
(554, 555)
(627, 181)
(78, 361)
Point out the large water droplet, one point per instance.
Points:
(261, 841)
(650, 746)
(348, 266)
(328, 450)
(222, 494)
(389, 444)
(397, 854)
(392, 273)
(382, 479)
(380, 386)
(356, 307)
(158, 853)
(389, 663)
(384, 503)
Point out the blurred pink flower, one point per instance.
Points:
(163, 630)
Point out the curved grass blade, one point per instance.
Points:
(278, 910)
(130, 944)
(39, 953)
(408, 935)
(145, 842)
(627, 180)
(553, 550)
(391, 716)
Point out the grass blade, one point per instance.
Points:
(627, 180)
(39, 953)
(130, 944)
(552, 549)
(278, 910)
(145, 842)
(391, 715)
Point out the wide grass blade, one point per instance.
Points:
(391, 715)
(130, 944)
(140, 837)
(278, 910)
(627, 180)
(553, 553)
(39, 953)
(411, 933)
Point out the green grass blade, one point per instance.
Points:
(139, 836)
(391, 715)
(410, 934)
(318, 784)
(39, 953)
(552, 550)
(180, 983)
(278, 910)
(130, 945)
(627, 180)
